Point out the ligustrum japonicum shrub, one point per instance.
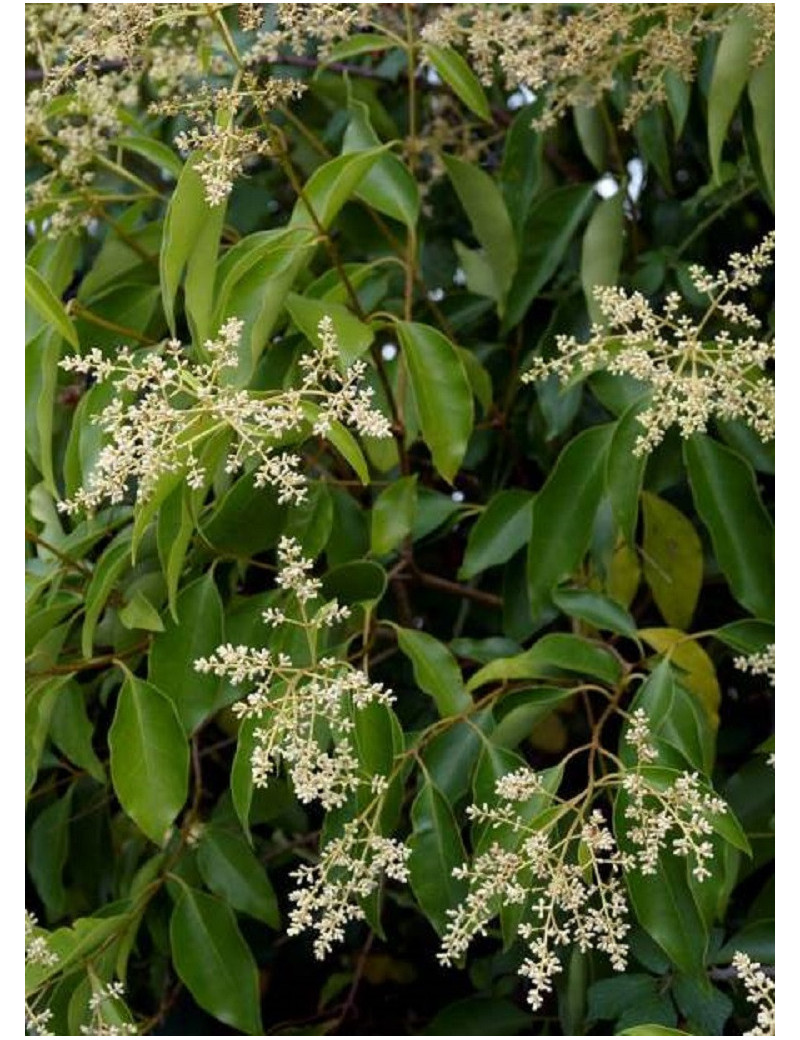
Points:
(399, 541)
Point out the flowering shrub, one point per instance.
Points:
(399, 442)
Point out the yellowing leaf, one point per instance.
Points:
(673, 560)
(699, 676)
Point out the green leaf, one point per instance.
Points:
(242, 773)
(40, 296)
(650, 1029)
(521, 168)
(596, 609)
(747, 637)
(521, 711)
(149, 757)
(704, 1007)
(679, 96)
(761, 90)
(389, 186)
(331, 185)
(246, 520)
(592, 134)
(109, 567)
(672, 558)
(563, 514)
(450, 756)
(192, 232)
(727, 499)
(479, 1016)
(359, 581)
(731, 71)
(232, 871)
(549, 229)
(139, 613)
(435, 670)
(460, 78)
(393, 515)
(214, 962)
(71, 730)
(42, 354)
(551, 657)
(601, 254)
(48, 846)
(442, 394)
(436, 850)
(40, 695)
(160, 155)
(359, 43)
(72, 944)
(484, 205)
(502, 528)
(310, 522)
(353, 335)
(197, 633)
(625, 471)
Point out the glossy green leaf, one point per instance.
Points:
(522, 710)
(48, 845)
(551, 657)
(196, 633)
(41, 297)
(310, 522)
(109, 567)
(731, 71)
(442, 393)
(502, 528)
(596, 609)
(74, 943)
(460, 78)
(358, 43)
(491, 224)
(563, 514)
(672, 558)
(331, 185)
(651, 1029)
(353, 335)
(747, 637)
(246, 520)
(393, 515)
(551, 225)
(139, 613)
(42, 354)
(436, 850)
(158, 154)
(601, 253)
(625, 471)
(521, 168)
(192, 231)
(479, 1016)
(727, 499)
(71, 730)
(592, 135)
(149, 757)
(389, 186)
(359, 581)
(214, 962)
(232, 871)
(40, 695)
(435, 670)
(761, 90)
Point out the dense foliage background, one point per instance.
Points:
(230, 204)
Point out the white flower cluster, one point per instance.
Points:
(330, 893)
(697, 369)
(37, 950)
(293, 702)
(760, 663)
(562, 865)
(760, 990)
(167, 408)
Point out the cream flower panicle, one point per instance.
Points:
(166, 409)
(697, 370)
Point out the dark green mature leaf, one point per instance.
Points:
(705, 1007)
(601, 254)
(450, 756)
(479, 1016)
(310, 522)
(563, 514)
(71, 730)
(550, 227)
(246, 520)
(389, 186)
(551, 657)
(40, 695)
(625, 471)
(442, 393)
(42, 354)
(109, 567)
(523, 709)
(393, 515)
(651, 1029)
(596, 609)
(232, 871)
(484, 205)
(521, 169)
(731, 70)
(48, 845)
(672, 557)
(436, 849)
(748, 637)
(40, 296)
(197, 633)
(458, 75)
(727, 499)
(149, 757)
(192, 231)
(502, 528)
(360, 581)
(761, 90)
(435, 670)
(214, 962)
